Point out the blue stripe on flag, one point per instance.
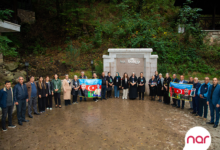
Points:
(181, 86)
(90, 81)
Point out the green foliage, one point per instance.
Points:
(5, 14)
(5, 49)
(85, 47)
(99, 67)
(72, 56)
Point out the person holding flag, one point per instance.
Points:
(182, 81)
(174, 80)
(95, 77)
(203, 93)
(196, 85)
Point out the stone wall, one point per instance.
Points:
(26, 16)
(213, 36)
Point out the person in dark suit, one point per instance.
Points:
(196, 85)
(20, 99)
(141, 86)
(166, 86)
(83, 92)
(177, 81)
(214, 102)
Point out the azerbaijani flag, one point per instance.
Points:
(178, 88)
(93, 86)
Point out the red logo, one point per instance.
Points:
(198, 139)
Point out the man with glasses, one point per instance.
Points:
(20, 99)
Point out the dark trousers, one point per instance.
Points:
(109, 93)
(82, 98)
(203, 104)
(57, 97)
(183, 103)
(196, 104)
(214, 111)
(174, 101)
(41, 103)
(49, 101)
(75, 96)
(141, 93)
(21, 110)
(32, 102)
(67, 102)
(103, 91)
(7, 111)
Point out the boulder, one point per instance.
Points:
(11, 66)
(9, 77)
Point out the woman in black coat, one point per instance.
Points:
(109, 85)
(133, 87)
(42, 94)
(160, 88)
(153, 87)
(141, 86)
(117, 85)
(50, 88)
(166, 86)
(125, 85)
(75, 89)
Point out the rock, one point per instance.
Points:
(20, 74)
(7, 72)
(9, 77)
(11, 66)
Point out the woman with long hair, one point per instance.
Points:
(117, 85)
(125, 85)
(50, 93)
(75, 89)
(133, 87)
(109, 85)
(141, 85)
(42, 94)
(66, 90)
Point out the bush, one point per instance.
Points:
(99, 67)
(5, 49)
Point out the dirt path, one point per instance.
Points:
(112, 124)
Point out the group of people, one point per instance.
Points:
(205, 95)
(41, 92)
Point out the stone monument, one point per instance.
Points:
(131, 60)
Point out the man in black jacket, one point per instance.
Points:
(20, 99)
(104, 82)
(177, 81)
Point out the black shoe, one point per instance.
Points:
(182, 108)
(37, 113)
(196, 115)
(105, 99)
(25, 120)
(139, 98)
(142, 98)
(101, 99)
(215, 126)
(80, 101)
(190, 109)
(174, 105)
(30, 116)
(177, 106)
(209, 122)
(20, 123)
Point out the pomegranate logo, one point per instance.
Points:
(197, 138)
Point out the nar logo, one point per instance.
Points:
(197, 138)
